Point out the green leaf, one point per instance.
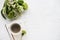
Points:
(19, 8)
(11, 15)
(25, 6)
(20, 2)
(7, 8)
(23, 32)
(4, 10)
(6, 1)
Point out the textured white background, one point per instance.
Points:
(42, 20)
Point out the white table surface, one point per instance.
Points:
(41, 21)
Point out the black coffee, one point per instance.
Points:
(15, 28)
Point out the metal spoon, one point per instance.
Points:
(9, 34)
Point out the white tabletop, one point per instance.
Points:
(41, 21)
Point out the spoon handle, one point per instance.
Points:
(9, 34)
(13, 37)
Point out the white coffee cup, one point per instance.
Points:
(17, 35)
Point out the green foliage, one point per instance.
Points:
(20, 2)
(11, 15)
(17, 6)
(23, 32)
(25, 6)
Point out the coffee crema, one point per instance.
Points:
(15, 27)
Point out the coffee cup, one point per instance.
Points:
(15, 30)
